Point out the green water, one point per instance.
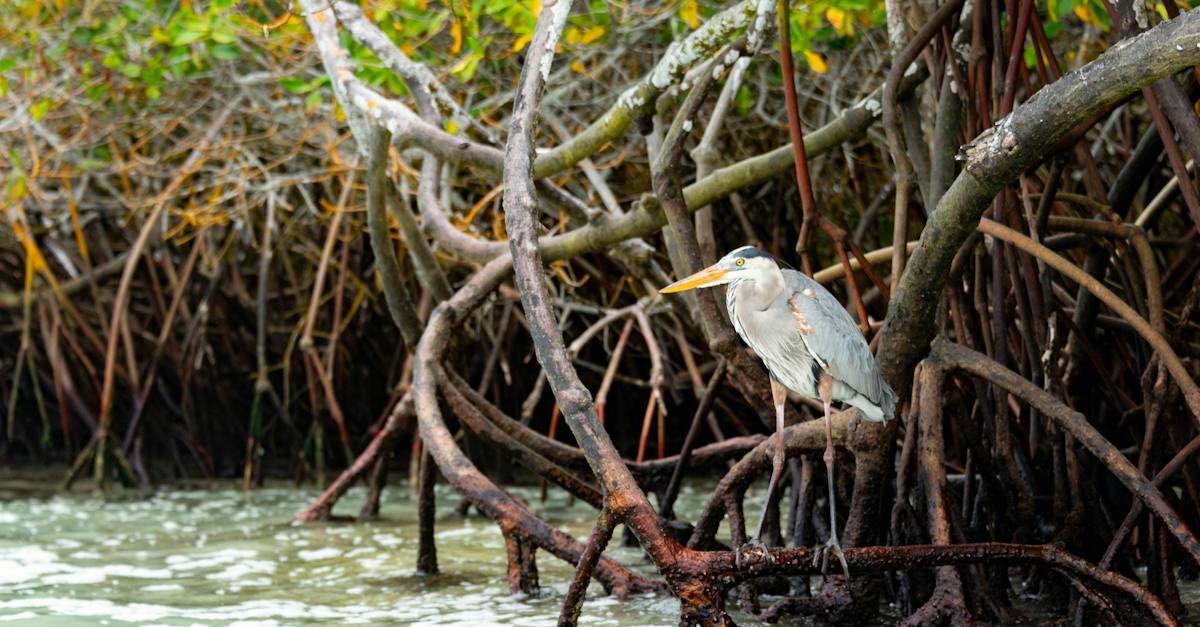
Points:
(217, 556)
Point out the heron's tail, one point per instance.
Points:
(888, 403)
(882, 411)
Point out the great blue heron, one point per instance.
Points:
(809, 343)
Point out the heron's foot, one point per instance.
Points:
(822, 553)
(753, 548)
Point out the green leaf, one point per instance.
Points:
(295, 85)
(178, 55)
(132, 70)
(7, 63)
(435, 25)
(190, 21)
(152, 76)
(1066, 8)
(116, 25)
(223, 35)
(465, 69)
(187, 36)
(40, 109)
(57, 51)
(312, 102)
(744, 99)
(153, 93)
(225, 52)
(112, 60)
(98, 92)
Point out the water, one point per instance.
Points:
(217, 556)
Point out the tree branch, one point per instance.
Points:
(1014, 144)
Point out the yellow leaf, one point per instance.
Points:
(521, 42)
(689, 12)
(535, 7)
(451, 127)
(592, 34)
(815, 62)
(836, 17)
(456, 33)
(578, 67)
(1087, 14)
(842, 23)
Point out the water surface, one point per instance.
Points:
(217, 556)
(182, 556)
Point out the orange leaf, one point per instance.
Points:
(456, 33)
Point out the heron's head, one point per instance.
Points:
(745, 263)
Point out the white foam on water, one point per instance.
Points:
(319, 554)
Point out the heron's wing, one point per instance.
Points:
(833, 337)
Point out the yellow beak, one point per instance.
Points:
(704, 278)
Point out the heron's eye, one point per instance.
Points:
(740, 262)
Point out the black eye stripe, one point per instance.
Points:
(750, 252)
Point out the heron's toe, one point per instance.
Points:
(752, 549)
(831, 547)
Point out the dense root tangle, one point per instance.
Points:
(1031, 293)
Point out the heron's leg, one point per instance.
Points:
(779, 396)
(825, 388)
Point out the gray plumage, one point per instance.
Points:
(799, 330)
(810, 345)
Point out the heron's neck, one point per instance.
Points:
(762, 291)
